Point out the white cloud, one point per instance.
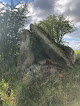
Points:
(74, 43)
(75, 47)
(34, 13)
(2, 5)
(60, 5)
(40, 9)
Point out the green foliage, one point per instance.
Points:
(77, 54)
(5, 98)
(32, 89)
(56, 26)
(42, 89)
(8, 72)
(11, 21)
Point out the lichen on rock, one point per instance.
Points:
(35, 46)
(52, 50)
(26, 56)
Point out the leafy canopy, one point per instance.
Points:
(12, 19)
(56, 26)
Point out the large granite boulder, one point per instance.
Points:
(63, 57)
(26, 56)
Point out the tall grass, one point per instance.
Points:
(40, 88)
(58, 89)
(6, 94)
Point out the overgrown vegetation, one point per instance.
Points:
(61, 88)
(56, 27)
(6, 94)
(43, 89)
(12, 20)
(37, 88)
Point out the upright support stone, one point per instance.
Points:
(26, 57)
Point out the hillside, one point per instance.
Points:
(36, 67)
(58, 88)
(47, 88)
(47, 74)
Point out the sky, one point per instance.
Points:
(40, 9)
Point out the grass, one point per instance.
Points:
(5, 99)
(77, 54)
(61, 88)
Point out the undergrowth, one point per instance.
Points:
(61, 88)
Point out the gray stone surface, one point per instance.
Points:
(69, 52)
(26, 56)
(54, 52)
(58, 55)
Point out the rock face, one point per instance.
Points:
(70, 54)
(52, 53)
(63, 57)
(26, 57)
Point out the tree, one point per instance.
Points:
(56, 26)
(12, 19)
